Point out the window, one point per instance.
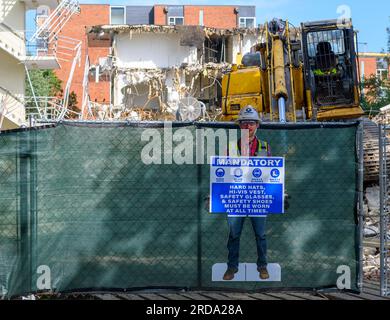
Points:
(176, 21)
(335, 38)
(43, 11)
(381, 63)
(117, 15)
(42, 44)
(246, 22)
(382, 74)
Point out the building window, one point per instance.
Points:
(247, 22)
(176, 21)
(335, 38)
(43, 11)
(382, 69)
(382, 74)
(118, 15)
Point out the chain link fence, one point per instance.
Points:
(384, 210)
(79, 209)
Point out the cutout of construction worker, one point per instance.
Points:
(248, 119)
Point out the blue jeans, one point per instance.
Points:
(235, 228)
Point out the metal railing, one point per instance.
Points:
(63, 48)
(44, 109)
(10, 105)
(57, 19)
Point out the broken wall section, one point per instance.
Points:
(156, 67)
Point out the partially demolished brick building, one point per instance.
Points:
(146, 60)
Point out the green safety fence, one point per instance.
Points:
(79, 209)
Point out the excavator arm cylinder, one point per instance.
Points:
(280, 78)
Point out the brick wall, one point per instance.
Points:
(213, 16)
(369, 66)
(160, 18)
(75, 28)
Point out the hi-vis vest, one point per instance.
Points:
(319, 72)
(263, 149)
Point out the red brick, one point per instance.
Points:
(213, 16)
(90, 15)
(222, 17)
(369, 66)
(160, 18)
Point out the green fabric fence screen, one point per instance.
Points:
(78, 204)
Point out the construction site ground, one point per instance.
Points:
(371, 291)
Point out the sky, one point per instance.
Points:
(370, 18)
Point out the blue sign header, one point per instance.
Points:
(248, 162)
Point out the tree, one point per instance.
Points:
(376, 89)
(376, 94)
(47, 84)
(72, 104)
(44, 82)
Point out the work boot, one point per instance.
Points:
(263, 273)
(229, 274)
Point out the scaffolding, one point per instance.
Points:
(47, 41)
(56, 21)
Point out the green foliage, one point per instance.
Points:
(376, 94)
(45, 83)
(376, 90)
(72, 103)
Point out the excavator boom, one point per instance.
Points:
(297, 74)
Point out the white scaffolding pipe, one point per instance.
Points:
(55, 22)
(32, 91)
(65, 101)
(85, 86)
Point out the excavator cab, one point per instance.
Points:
(331, 79)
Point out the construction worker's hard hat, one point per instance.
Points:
(248, 113)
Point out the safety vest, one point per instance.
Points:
(319, 72)
(263, 149)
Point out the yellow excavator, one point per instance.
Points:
(291, 75)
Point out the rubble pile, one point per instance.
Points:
(205, 31)
(155, 81)
(146, 87)
(371, 255)
(383, 117)
(371, 264)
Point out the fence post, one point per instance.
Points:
(24, 273)
(33, 205)
(360, 199)
(199, 147)
(383, 211)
